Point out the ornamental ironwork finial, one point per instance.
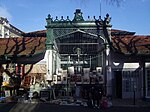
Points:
(49, 19)
(107, 19)
(56, 19)
(67, 18)
(78, 15)
(49, 16)
(62, 18)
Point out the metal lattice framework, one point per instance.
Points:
(86, 35)
(88, 43)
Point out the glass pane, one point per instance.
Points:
(148, 82)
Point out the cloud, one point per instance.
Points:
(4, 13)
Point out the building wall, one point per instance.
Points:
(36, 75)
(130, 71)
(7, 30)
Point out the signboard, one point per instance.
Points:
(72, 79)
(59, 79)
(86, 78)
(99, 70)
(45, 95)
(71, 70)
(78, 79)
(7, 93)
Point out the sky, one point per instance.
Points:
(30, 15)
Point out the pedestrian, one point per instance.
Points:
(89, 98)
(97, 94)
(1, 81)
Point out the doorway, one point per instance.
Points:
(118, 83)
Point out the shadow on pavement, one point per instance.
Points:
(47, 107)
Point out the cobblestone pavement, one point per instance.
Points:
(46, 107)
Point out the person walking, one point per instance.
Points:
(97, 94)
(89, 97)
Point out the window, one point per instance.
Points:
(130, 81)
(148, 83)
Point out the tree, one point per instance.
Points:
(15, 80)
(112, 2)
(115, 2)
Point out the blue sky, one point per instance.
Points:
(29, 15)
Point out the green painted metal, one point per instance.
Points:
(77, 22)
(49, 34)
(49, 39)
(61, 28)
(78, 16)
(56, 28)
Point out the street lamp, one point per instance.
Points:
(78, 51)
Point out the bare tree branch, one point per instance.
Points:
(114, 2)
(31, 67)
(111, 2)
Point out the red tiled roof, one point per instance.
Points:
(35, 33)
(137, 44)
(22, 46)
(38, 32)
(116, 30)
(43, 32)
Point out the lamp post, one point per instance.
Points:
(78, 51)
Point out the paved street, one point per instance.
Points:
(46, 107)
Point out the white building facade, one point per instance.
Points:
(7, 30)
